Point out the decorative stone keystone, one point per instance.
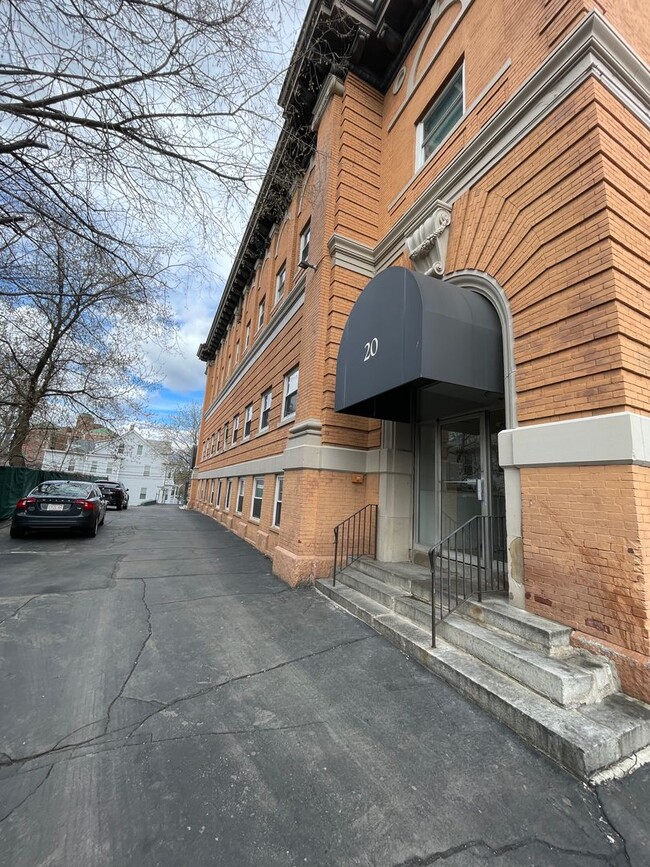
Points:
(427, 246)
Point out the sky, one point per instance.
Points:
(181, 374)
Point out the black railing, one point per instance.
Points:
(354, 538)
(468, 562)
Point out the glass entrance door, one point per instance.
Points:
(461, 472)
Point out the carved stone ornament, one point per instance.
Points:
(427, 246)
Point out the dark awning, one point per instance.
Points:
(407, 329)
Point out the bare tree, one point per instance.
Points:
(182, 433)
(114, 114)
(70, 323)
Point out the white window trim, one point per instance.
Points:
(280, 287)
(285, 393)
(269, 391)
(254, 498)
(226, 502)
(419, 132)
(248, 417)
(235, 430)
(306, 233)
(278, 480)
(240, 496)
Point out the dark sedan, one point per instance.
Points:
(114, 493)
(60, 505)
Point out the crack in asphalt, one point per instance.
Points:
(215, 686)
(20, 608)
(222, 596)
(604, 817)
(137, 658)
(161, 706)
(497, 851)
(29, 795)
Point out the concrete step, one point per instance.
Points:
(397, 575)
(415, 610)
(584, 739)
(373, 588)
(573, 680)
(548, 637)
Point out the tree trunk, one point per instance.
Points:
(21, 432)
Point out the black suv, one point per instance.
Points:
(114, 493)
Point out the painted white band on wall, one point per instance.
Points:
(618, 438)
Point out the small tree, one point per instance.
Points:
(182, 432)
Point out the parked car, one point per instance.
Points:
(114, 493)
(60, 504)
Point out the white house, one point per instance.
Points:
(140, 464)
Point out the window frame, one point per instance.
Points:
(218, 503)
(241, 486)
(434, 105)
(248, 422)
(254, 499)
(260, 313)
(280, 282)
(226, 502)
(235, 430)
(305, 239)
(226, 430)
(146, 470)
(264, 427)
(286, 394)
(277, 499)
(143, 494)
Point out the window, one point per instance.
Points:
(71, 467)
(247, 335)
(248, 420)
(219, 494)
(240, 496)
(260, 315)
(225, 435)
(139, 451)
(212, 492)
(120, 449)
(237, 352)
(218, 440)
(226, 505)
(442, 117)
(147, 470)
(258, 494)
(109, 470)
(280, 282)
(212, 444)
(235, 429)
(290, 394)
(93, 467)
(143, 493)
(277, 507)
(304, 243)
(265, 410)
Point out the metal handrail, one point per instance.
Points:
(476, 553)
(354, 538)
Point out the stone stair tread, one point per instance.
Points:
(529, 627)
(373, 587)
(569, 680)
(584, 740)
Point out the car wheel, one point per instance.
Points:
(118, 506)
(101, 523)
(15, 533)
(91, 532)
(126, 505)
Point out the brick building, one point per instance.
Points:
(441, 304)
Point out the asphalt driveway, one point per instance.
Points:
(165, 700)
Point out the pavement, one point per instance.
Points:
(165, 700)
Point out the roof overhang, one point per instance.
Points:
(408, 330)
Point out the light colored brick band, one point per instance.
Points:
(618, 438)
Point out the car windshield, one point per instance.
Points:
(108, 484)
(64, 489)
